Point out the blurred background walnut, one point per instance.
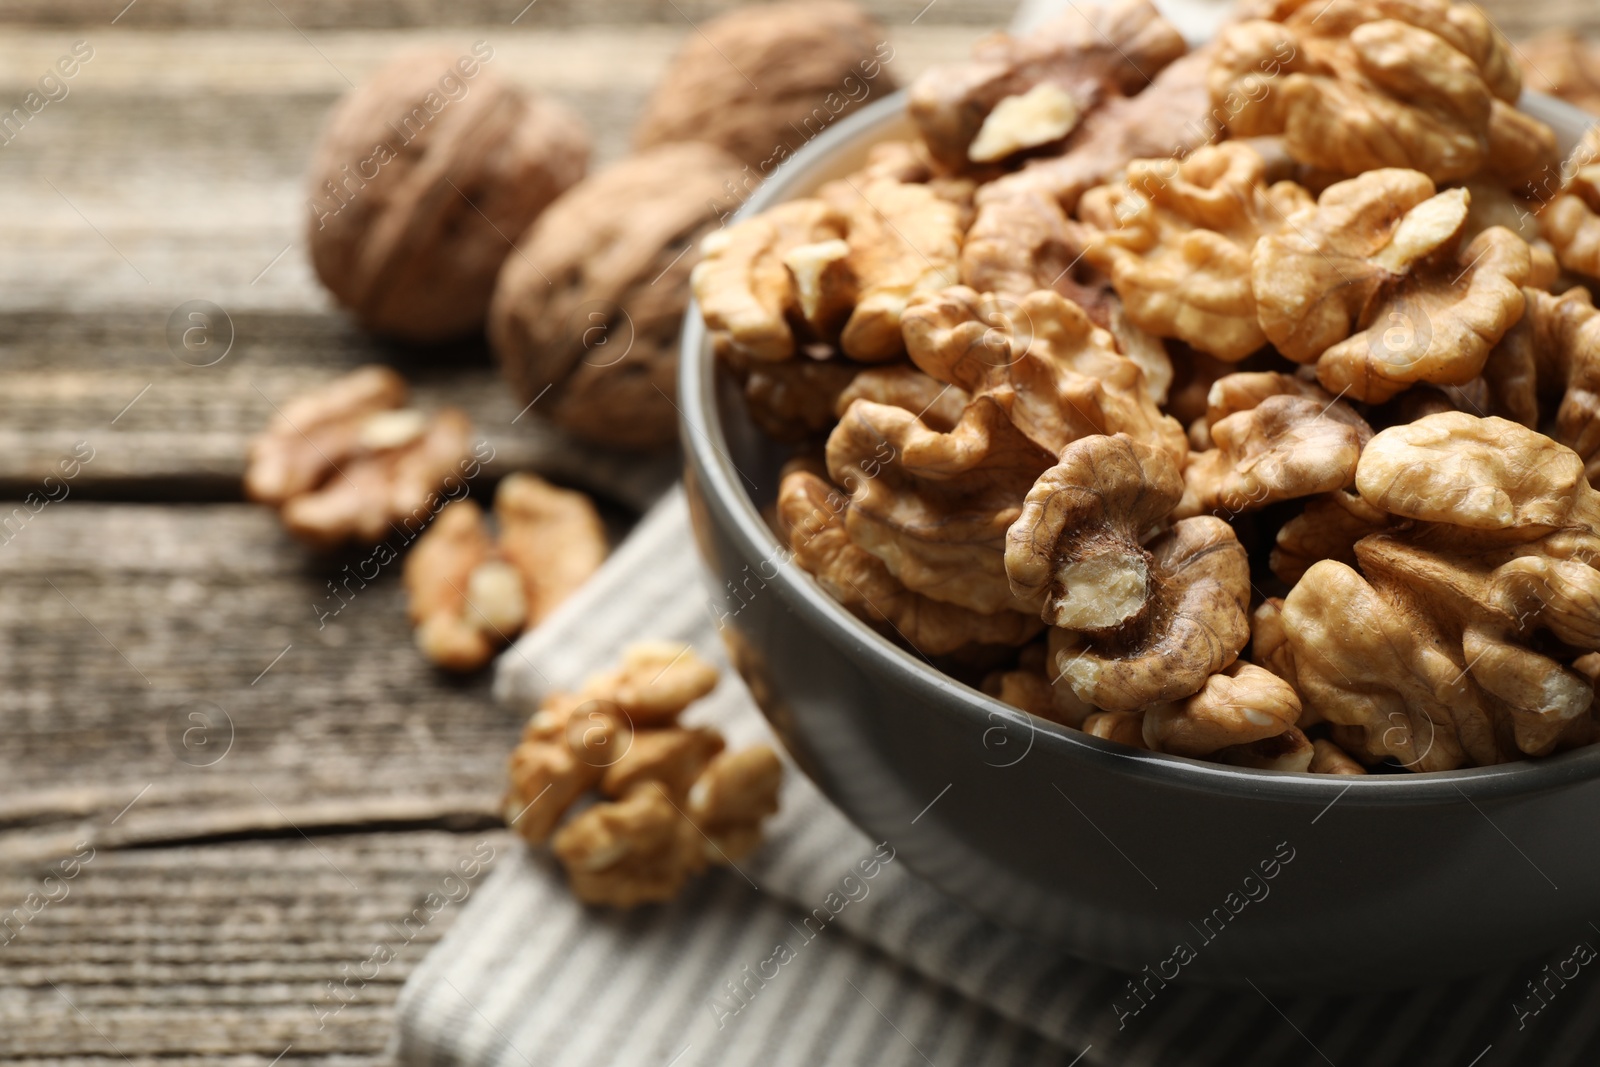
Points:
(470, 592)
(761, 81)
(589, 306)
(422, 178)
(349, 461)
(1560, 62)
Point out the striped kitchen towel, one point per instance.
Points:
(824, 948)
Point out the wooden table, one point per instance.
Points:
(234, 871)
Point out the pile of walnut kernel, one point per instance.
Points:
(676, 801)
(1240, 403)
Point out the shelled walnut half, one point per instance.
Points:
(471, 593)
(678, 801)
(350, 462)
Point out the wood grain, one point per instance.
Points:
(226, 893)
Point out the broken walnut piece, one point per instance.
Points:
(1175, 237)
(347, 462)
(1359, 85)
(469, 593)
(1193, 624)
(632, 851)
(1571, 221)
(1123, 727)
(554, 537)
(1284, 447)
(463, 600)
(566, 746)
(1551, 360)
(904, 239)
(674, 756)
(813, 514)
(1022, 92)
(655, 681)
(729, 799)
(938, 404)
(1327, 528)
(1372, 287)
(1057, 375)
(934, 506)
(1329, 758)
(744, 285)
(1240, 704)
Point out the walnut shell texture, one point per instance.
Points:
(591, 301)
(420, 183)
(762, 80)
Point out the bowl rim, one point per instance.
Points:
(706, 453)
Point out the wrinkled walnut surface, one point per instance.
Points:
(416, 196)
(762, 80)
(586, 312)
(347, 462)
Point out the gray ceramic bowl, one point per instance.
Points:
(1117, 855)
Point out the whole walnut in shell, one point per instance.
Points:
(421, 181)
(762, 80)
(589, 305)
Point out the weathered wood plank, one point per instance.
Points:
(159, 955)
(160, 428)
(316, 711)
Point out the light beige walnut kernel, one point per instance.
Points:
(420, 180)
(813, 514)
(1175, 237)
(730, 798)
(1239, 705)
(1284, 447)
(565, 749)
(1075, 553)
(743, 284)
(655, 681)
(1360, 85)
(585, 316)
(1563, 63)
(1328, 528)
(904, 239)
(1057, 375)
(347, 462)
(1551, 361)
(934, 506)
(674, 756)
(554, 538)
(463, 601)
(637, 850)
(1373, 287)
(761, 81)
(1571, 222)
(1436, 651)
(986, 109)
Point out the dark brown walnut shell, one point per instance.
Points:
(422, 180)
(763, 80)
(586, 313)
